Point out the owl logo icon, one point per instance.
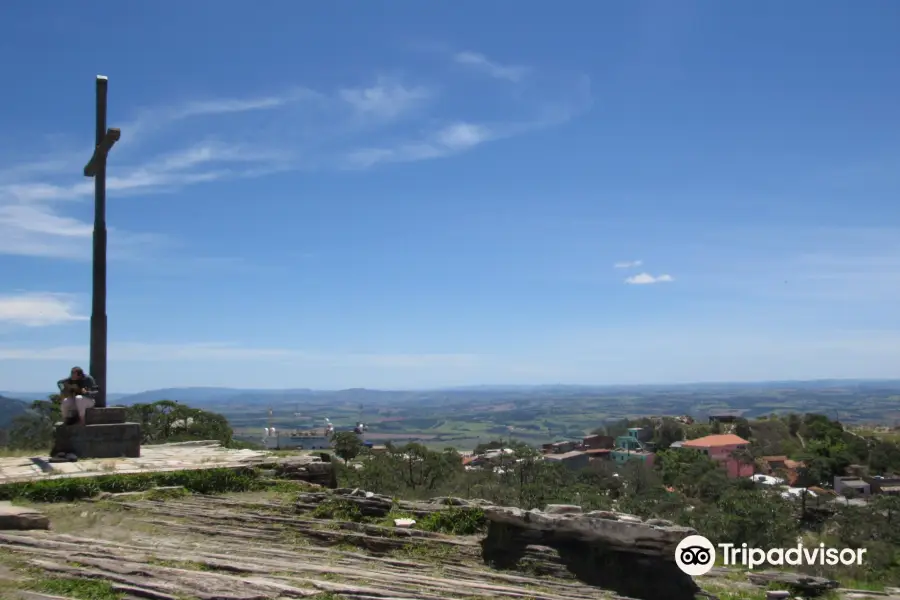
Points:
(695, 555)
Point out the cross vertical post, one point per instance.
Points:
(96, 168)
(98, 308)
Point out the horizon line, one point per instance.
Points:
(500, 385)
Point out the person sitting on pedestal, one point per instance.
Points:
(77, 393)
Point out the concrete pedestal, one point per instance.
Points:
(105, 434)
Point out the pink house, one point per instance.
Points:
(721, 448)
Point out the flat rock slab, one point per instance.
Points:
(21, 518)
(154, 458)
(626, 533)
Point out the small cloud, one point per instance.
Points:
(38, 309)
(513, 73)
(460, 136)
(628, 264)
(646, 279)
(386, 99)
(152, 119)
(224, 106)
(444, 142)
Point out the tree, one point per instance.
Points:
(759, 518)
(697, 430)
(680, 467)
(794, 423)
(744, 455)
(347, 445)
(668, 432)
(884, 457)
(30, 432)
(34, 430)
(167, 421)
(742, 429)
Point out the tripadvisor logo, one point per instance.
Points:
(696, 555)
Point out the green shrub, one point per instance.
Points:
(338, 510)
(455, 521)
(80, 588)
(201, 481)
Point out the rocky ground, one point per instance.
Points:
(268, 546)
(159, 458)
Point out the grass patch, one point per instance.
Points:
(287, 489)
(187, 565)
(82, 589)
(16, 453)
(338, 509)
(163, 494)
(192, 565)
(423, 552)
(345, 547)
(201, 481)
(454, 521)
(726, 594)
(863, 584)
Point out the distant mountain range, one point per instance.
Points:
(224, 396)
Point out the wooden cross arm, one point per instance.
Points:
(101, 151)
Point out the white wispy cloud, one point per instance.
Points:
(452, 139)
(157, 118)
(237, 137)
(513, 73)
(386, 99)
(33, 219)
(217, 351)
(38, 309)
(647, 279)
(628, 264)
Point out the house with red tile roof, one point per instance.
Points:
(783, 464)
(722, 448)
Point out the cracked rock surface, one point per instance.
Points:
(268, 546)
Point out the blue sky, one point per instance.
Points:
(408, 194)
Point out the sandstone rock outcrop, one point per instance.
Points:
(794, 582)
(213, 548)
(619, 552)
(376, 505)
(614, 551)
(304, 467)
(259, 547)
(21, 518)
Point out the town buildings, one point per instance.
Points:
(575, 459)
(631, 447)
(782, 466)
(852, 485)
(864, 486)
(724, 416)
(723, 449)
(598, 442)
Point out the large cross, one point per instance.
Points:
(96, 168)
